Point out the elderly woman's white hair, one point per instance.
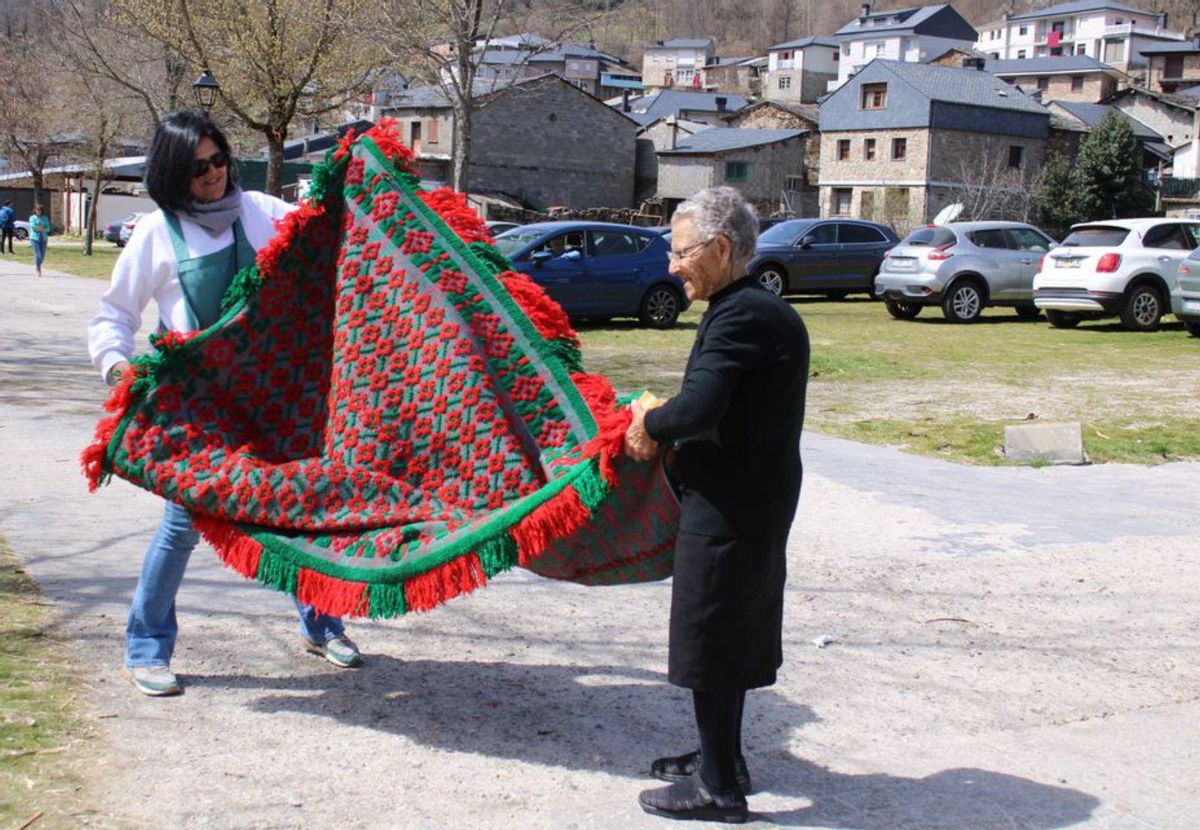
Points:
(723, 210)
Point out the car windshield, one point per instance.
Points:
(1098, 236)
(785, 233)
(512, 241)
(933, 237)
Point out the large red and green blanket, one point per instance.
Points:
(387, 415)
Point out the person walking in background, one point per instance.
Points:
(8, 225)
(184, 256)
(735, 425)
(39, 237)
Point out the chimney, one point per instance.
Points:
(973, 63)
(625, 100)
(1162, 21)
(673, 121)
(866, 10)
(721, 102)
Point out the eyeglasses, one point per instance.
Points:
(684, 253)
(217, 160)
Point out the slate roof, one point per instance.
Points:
(682, 43)
(962, 86)
(953, 25)
(804, 43)
(1046, 66)
(650, 108)
(1093, 114)
(1078, 7)
(1182, 47)
(1190, 92)
(725, 139)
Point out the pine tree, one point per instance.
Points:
(1108, 172)
(1058, 196)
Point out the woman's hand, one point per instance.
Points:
(638, 444)
(114, 374)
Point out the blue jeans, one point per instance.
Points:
(151, 630)
(39, 252)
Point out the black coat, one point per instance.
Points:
(736, 422)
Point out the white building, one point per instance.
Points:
(914, 35)
(800, 71)
(676, 63)
(1111, 32)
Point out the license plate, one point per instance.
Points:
(1068, 263)
(902, 261)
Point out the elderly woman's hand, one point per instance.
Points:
(638, 444)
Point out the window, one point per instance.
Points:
(1026, 239)
(859, 235)
(869, 149)
(736, 171)
(842, 196)
(431, 129)
(993, 238)
(1015, 153)
(1020, 54)
(825, 234)
(1168, 236)
(1024, 30)
(836, 55)
(785, 81)
(1076, 83)
(895, 204)
(1119, 21)
(1081, 49)
(899, 149)
(875, 49)
(564, 243)
(1043, 82)
(846, 49)
(874, 96)
(795, 183)
(414, 136)
(614, 243)
(843, 149)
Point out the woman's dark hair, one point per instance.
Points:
(173, 154)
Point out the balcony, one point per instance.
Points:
(1185, 189)
(1127, 29)
(788, 64)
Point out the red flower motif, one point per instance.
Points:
(384, 206)
(383, 265)
(336, 472)
(364, 283)
(358, 236)
(219, 354)
(452, 282)
(370, 250)
(354, 171)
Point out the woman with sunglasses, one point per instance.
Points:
(184, 256)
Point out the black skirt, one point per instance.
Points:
(726, 612)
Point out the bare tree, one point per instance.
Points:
(989, 189)
(276, 60)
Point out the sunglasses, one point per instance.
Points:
(217, 160)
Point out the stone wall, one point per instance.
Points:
(549, 144)
(1174, 124)
(1157, 70)
(768, 169)
(1096, 87)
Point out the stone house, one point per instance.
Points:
(708, 107)
(800, 71)
(1106, 30)
(543, 141)
(1154, 147)
(664, 134)
(1068, 78)
(899, 140)
(767, 166)
(771, 115)
(1174, 117)
(914, 35)
(1173, 66)
(740, 75)
(676, 63)
(583, 66)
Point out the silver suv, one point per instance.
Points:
(963, 267)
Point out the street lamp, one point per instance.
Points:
(206, 88)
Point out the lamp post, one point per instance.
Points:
(206, 88)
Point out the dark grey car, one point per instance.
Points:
(821, 256)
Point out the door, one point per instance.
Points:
(559, 265)
(1167, 245)
(999, 264)
(814, 266)
(615, 270)
(1030, 246)
(860, 253)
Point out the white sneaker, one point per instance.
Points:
(155, 681)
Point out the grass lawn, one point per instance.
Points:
(66, 254)
(949, 390)
(40, 732)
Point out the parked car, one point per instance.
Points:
(112, 232)
(1185, 294)
(1120, 267)
(21, 229)
(821, 256)
(495, 226)
(599, 270)
(127, 226)
(963, 267)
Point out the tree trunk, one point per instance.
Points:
(275, 139)
(462, 150)
(39, 188)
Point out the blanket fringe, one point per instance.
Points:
(446, 581)
(559, 516)
(331, 595)
(236, 549)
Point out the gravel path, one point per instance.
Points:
(1010, 648)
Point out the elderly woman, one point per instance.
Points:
(735, 425)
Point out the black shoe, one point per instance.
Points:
(682, 766)
(690, 800)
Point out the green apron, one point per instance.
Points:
(204, 279)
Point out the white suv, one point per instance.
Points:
(1120, 267)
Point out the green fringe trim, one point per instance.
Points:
(591, 486)
(497, 555)
(245, 285)
(568, 353)
(276, 572)
(490, 257)
(386, 600)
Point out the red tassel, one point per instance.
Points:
(236, 549)
(454, 210)
(561, 515)
(545, 314)
(458, 576)
(387, 139)
(93, 455)
(612, 422)
(330, 595)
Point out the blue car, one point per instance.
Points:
(598, 270)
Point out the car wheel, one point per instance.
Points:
(21, 234)
(902, 309)
(1063, 319)
(1027, 311)
(1193, 329)
(1143, 309)
(772, 278)
(660, 307)
(963, 303)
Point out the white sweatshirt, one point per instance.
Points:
(146, 271)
